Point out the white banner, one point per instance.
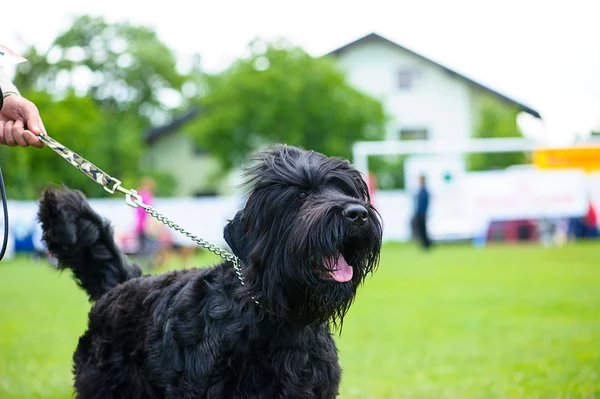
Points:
(526, 194)
(459, 209)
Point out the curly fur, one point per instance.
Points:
(198, 333)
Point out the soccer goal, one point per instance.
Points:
(361, 150)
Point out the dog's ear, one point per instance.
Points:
(237, 238)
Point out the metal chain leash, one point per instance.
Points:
(133, 199)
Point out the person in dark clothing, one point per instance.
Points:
(420, 217)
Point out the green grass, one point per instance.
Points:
(502, 322)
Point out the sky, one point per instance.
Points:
(545, 54)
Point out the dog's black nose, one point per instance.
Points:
(356, 214)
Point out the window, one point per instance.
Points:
(407, 78)
(413, 134)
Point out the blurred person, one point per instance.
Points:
(590, 222)
(153, 237)
(420, 216)
(20, 120)
(143, 227)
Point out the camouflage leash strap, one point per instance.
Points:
(133, 199)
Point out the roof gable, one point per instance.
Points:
(153, 134)
(375, 37)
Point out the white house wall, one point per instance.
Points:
(439, 101)
(174, 154)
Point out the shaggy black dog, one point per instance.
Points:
(307, 237)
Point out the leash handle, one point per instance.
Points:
(109, 183)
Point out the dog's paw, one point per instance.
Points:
(62, 213)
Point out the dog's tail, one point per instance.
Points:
(83, 241)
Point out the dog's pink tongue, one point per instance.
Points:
(342, 272)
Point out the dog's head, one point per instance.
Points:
(308, 235)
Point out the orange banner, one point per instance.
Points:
(586, 158)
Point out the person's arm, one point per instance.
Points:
(20, 120)
(7, 87)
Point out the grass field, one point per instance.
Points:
(500, 322)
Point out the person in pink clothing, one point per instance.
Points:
(146, 191)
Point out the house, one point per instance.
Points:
(425, 100)
(170, 150)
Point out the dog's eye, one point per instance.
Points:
(302, 195)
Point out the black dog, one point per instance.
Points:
(307, 237)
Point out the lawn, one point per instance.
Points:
(500, 322)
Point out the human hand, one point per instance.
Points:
(20, 123)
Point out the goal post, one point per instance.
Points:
(361, 150)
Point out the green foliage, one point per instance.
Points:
(496, 120)
(98, 88)
(125, 67)
(282, 94)
(389, 171)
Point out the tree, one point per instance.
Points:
(98, 88)
(125, 67)
(389, 171)
(281, 94)
(496, 120)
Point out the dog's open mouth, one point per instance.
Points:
(338, 269)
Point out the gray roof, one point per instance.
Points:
(153, 134)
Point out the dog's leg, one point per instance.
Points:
(83, 242)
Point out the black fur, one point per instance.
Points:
(198, 333)
(84, 242)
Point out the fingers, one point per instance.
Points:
(42, 127)
(17, 132)
(32, 139)
(14, 134)
(20, 123)
(32, 116)
(8, 136)
(34, 124)
(2, 140)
